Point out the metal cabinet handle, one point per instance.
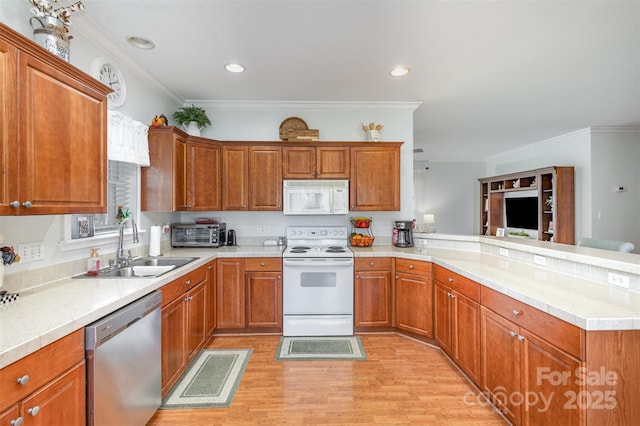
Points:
(513, 333)
(396, 277)
(27, 204)
(15, 204)
(450, 279)
(410, 266)
(34, 411)
(358, 276)
(516, 312)
(520, 337)
(23, 380)
(17, 422)
(370, 263)
(187, 282)
(189, 206)
(261, 263)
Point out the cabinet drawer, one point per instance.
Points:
(457, 282)
(41, 367)
(565, 336)
(272, 264)
(178, 286)
(413, 267)
(372, 264)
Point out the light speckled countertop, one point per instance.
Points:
(43, 315)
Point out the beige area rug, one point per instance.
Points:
(319, 348)
(210, 381)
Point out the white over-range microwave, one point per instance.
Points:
(309, 197)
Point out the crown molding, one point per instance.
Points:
(305, 105)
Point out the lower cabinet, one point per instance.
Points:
(184, 304)
(210, 295)
(249, 293)
(263, 281)
(372, 293)
(457, 319)
(530, 379)
(414, 297)
(51, 386)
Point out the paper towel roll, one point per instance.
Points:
(154, 240)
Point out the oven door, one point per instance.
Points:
(317, 286)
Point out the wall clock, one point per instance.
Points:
(111, 76)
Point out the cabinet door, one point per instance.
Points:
(265, 174)
(298, 162)
(61, 402)
(10, 416)
(235, 178)
(466, 335)
(62, 142)
(375, 178)
(230, 294)
(332, 162)
(196, 318)
(414, 301)
(443, 317)
(500, 360)
(173, 342)
(8, 128)
(210, 308)
(203, 177)
(373, 299)
(264, 299)
(552, 374)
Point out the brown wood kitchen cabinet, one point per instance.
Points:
(51, 385)
(210, 289)
(230, 293)
(184, 174)
(183, 315)
(316, 162)
(457, 319)
(263, 281)
(517, 362)
(414, 296)
(265, 178)
(235, 177)
(373, 293)
(375, 176)
(53, 143)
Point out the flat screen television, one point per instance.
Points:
(522, 213)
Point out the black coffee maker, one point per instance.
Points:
(403, 233)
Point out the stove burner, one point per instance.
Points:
(297, 251)
(300, 248)
(336, 250)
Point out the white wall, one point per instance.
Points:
(450, 191)
(615, 163)
(573, 149)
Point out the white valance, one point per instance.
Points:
(127, 139)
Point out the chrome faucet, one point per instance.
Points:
(122, 259)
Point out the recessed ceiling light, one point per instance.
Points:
(141, 42)
(234, 67)
(399, 71)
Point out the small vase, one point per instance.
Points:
(192, 128)
(374, 135)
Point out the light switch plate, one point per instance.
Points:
(503, 251)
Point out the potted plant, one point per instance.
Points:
(192, 118)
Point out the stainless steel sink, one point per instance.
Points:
(143, 267)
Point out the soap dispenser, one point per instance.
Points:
(93, 263)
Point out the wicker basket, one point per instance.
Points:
(295, 128)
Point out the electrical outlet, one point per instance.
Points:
(618, 279)
(30, 251)
(262, 229)
(539, 260)
(503, 252)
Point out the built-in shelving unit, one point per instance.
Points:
(554, 187)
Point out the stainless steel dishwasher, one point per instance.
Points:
(124, 371)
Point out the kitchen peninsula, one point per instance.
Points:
(565, 292)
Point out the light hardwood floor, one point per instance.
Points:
(403, 382)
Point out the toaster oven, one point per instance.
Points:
(198, 235)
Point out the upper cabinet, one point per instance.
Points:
(235, 177)
(316, 162)
(551, 190)
(265, 178)
(375, 177)
(53, 133)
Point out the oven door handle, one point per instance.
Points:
(317, 261)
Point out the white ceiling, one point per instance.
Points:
(492, 75)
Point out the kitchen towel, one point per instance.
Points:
(154, 240)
